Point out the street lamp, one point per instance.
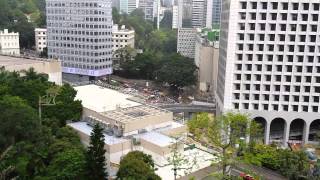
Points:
(47, 100)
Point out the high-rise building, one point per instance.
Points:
(9, 43)
(216, 12)
(269, 65)
(80, 35)
(40, 35)
(202, 13)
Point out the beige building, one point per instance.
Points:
(128, 125)
(9, 43)
(47, 66)
(40, 39)
(206, 59)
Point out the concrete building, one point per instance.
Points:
(269, 66)
(186, 41)
(175, 17)
(216, 12)
(40, 39)
(122, 37)
(128, 125)
(206, 59)
(80, 35)
(9, 43)
(47, 66)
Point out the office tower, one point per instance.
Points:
(186, 41)
(149, 7)
(216, 12)
(269, 65)
(201, 13)
(80, 35)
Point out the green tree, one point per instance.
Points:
(115, 15)
(177, 71)
(17, 122)
(96, 162)
(137, 165)
(223, 133)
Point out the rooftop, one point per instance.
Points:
(13, 61)
(134, 113)
(86, 129)
(102, 99)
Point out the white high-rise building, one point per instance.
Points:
(9, 43)
(175, 17)
(269, 65)
(80, 34)
(150, 8)
(40, 35)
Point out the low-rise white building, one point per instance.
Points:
(186, 41)
(9, 43)
(40, 35)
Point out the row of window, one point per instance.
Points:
(279, 48)
(277, 58)
(275, 97)
(279, 16)
(286, 88)
(280, 5)
(278, 27)
(278, 68)
(275, 107)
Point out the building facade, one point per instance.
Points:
(186, 42)
(80, 35)
(40, 35)
(269, 66)
(9, 43)
(149, 7)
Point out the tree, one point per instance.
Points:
(125, 54)
(115, 15)
(223, 133)
(137, 165)
(177, 71)
(18, 121)
(96, 161)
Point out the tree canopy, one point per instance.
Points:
(28, 149)
(137, 165)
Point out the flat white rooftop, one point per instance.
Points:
(157, 138)
(102, 99)
(86, 129)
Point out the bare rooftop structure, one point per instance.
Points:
(101, 99)
(126, 115)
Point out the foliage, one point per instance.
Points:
(96, 166)
(293, 165)
(177, 71)
(174, 69)
(223, 132)
(166, 22)
(137, 165)
(125, 54)
(34, 151)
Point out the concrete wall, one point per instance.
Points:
(52, 68)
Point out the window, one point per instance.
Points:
(265, 106)
(295, 6)
(307, 89)
(254, 5)
(316, 6)
(304, 17)
(273, 16)
(295, 107)
(285, 107)
(264, 5)
(306, 6)
(263, 16)
(315, 108)
(243, 5)
(315, 17)
(284, 6)
(294, 17)
(274, 5)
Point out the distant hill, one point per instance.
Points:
(22, 16)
